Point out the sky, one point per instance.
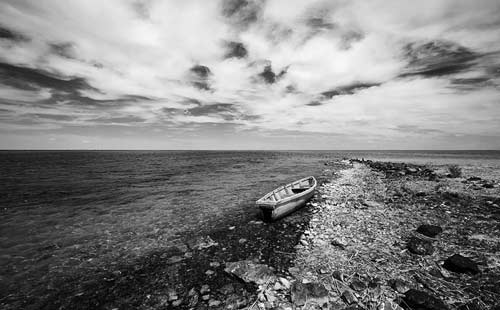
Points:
(249, 74)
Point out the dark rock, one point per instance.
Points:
(249, 271)
(419, 300)
(338, 275)
(420, 246)
(399, 285)
(338, 244)
(348, 297)
(429, 230)
(358, 285)
(310, 292)
(461, 264)
(488, 185)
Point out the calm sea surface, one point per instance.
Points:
(65, 210)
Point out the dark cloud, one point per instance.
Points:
(65, 49)
(314, 103)
(242, 13)
(217, 108)
(347, 90)
(235, 50)
(269, 76)
(437, 58)
(319, 23)
(32, 79)
(471, 83)
(200, 77)
(119, 120)
(348, 38)
(8, 34)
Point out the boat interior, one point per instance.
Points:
(290, 189)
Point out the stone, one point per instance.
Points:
(421, 300)
(338, 244)
(285, 283)
(429, 230)
(209, 272)
(461, 264)
(242, 240)
(214, 303)
(214, 264)
(399, 286)
(311, 292)
(204, 289)
(177, 303)
(205, 297)
(420, 246)
(348, 297)
(249, 271)
(338, 275)
(172, 295)
(235, 302)
(358, 285)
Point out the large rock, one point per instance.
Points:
(419, 300)
(420, 246)
(429, 230)
(462, 264)
(310, 292)
(250, 271)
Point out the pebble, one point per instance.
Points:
(205, 297)
(242, 240)
(204, 289)
(214, 264)
(214, 303)
(209, 272)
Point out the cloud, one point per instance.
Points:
(365, 70)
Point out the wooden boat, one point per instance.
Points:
(286, 199)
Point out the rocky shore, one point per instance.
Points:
(375, 236)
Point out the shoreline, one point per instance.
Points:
(348, 247)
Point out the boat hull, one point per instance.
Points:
(283, 209)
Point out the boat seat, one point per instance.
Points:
(298, 190)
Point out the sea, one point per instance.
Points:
(66, 210)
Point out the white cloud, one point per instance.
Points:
(122, 51)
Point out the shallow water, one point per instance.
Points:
(61, 211)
